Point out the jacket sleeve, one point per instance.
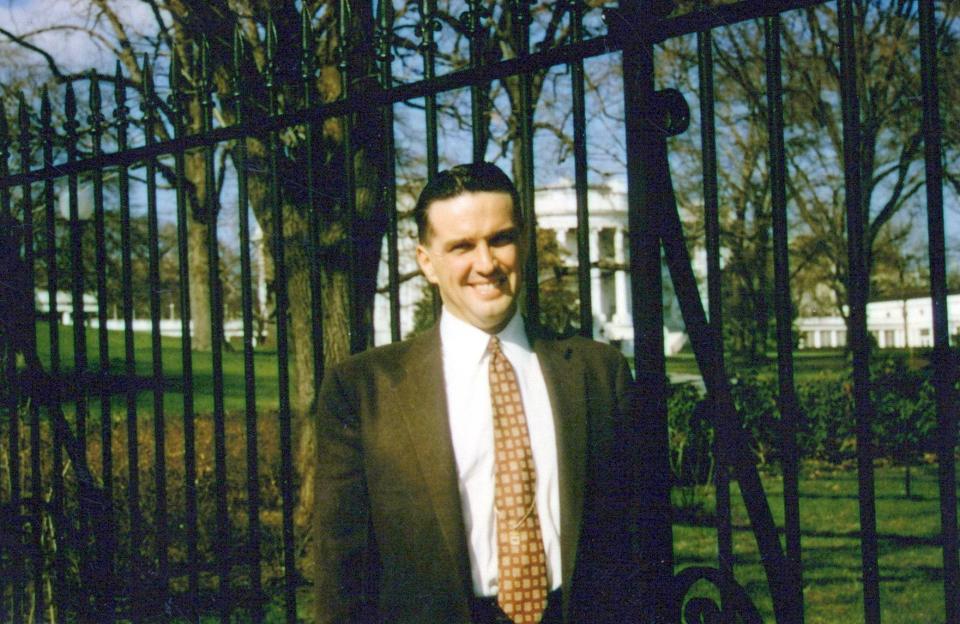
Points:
(341, 513)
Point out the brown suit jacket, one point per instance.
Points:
(389, 538)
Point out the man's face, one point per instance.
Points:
(473, 255)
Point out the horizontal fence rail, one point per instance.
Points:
(165, 475)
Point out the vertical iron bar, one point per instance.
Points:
(521, 16)
(789, 409)
(148, 107)
(211, 209)
(643, 144)
(30, 348)
(79, 324)
(249, 373)
(76, 284)
(10, 372)
(428, 47)
(385, 56)
(478, 95)
(186, 346)
(17, 560)
(944, 361)
(104, 553)
(858, 292)
(357, 338)
(283, 374)
(711, 207)
(429, 25)
(54, 411)
(134, 578)
(580, 175)
(9, 352)
(30, 352)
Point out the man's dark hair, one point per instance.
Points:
(482, 177)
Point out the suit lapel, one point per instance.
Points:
(421, 394)
(564, 378)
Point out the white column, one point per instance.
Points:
(622, 302)
(561, 235)
(596, 291)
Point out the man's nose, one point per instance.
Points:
(484, 261)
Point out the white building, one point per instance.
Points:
(898, 323)
(64, 301)
(556, 211)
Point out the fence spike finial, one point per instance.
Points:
(94, 97)
(237, 47)
(237, 71)
(24, 137)
(70, 109)
(343, 44)
(205, 64)
(271, 36)
(306, 44)
(271, 52)
(94, 89)
(172, 79)
(119, 88)
(45, 109)
(149, 92)
(23, 116)
(147, 72)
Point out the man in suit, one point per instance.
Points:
(478, 472)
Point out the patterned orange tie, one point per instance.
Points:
(522, 563)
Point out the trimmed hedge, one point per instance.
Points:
(903, 429)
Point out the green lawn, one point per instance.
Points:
(910, 557)
(807, 364)
(265, 364)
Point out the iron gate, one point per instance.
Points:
(62, 550)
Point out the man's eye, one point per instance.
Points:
(506, 238)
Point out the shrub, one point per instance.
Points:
(903, 428)
(690, 436)
(826, 429)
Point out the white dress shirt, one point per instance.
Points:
(466, 375)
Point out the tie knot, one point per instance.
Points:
(494, 345)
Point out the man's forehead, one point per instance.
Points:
(474, 200)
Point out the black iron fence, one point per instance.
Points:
(122, 499)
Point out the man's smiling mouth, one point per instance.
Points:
(488, 288)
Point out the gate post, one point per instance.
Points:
(655, 544)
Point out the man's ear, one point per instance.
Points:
(426, 264)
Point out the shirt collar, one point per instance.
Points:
(467, 343)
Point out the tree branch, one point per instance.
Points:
(21, 41)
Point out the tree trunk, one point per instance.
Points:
(336, 341)
(199, 284)
(197, 251)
